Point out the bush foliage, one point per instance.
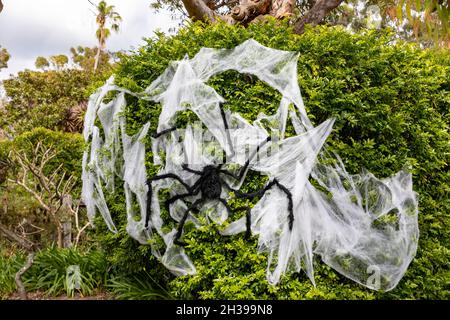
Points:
(43, 99)
(69, 147)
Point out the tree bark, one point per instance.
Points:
(248, 10)
(198, 10)
(97, 58)
(316, 14)
(60, 237)
(282, 8)
(18, 278)
(65, 213)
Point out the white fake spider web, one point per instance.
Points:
(363, 227)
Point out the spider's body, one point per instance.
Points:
(209, 186)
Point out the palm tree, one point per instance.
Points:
(105, 14)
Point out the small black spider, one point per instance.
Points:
(210, 184)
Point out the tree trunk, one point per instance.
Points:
(60, 236)
(18, 278)
(101, 44)
(282, 8)
(67, 234)
(251, 10)
(97, 58)
(317, 13)
(198, 10)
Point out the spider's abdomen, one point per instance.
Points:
(211, 186)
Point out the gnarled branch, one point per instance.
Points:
(29, 247)
(48, 190)
(199, 10)
(316, 14)
(18, 278)
(247, 11)
(282, 8)
(13, 237)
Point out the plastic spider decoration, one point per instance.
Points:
(210, 184)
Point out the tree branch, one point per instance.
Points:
(32, 192)
(11, 236)
(282, 8)
(224, 3)
(316, 15)
(80, 232)
(198, 10)
(18, 278)
(28, 246)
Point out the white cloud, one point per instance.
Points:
(31, 28)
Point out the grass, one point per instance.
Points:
(138, 287)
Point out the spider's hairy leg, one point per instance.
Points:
(290, 202)
(227, 206)
(149, 205)
(261, 193)
(158, 134)
(227, 132)
(248, 220)
(168, 176)
(194, 192)
(247, 162)
(183, 221)
(195, 189)
(248, 217)
(150, 190)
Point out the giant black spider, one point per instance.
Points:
(210, 184)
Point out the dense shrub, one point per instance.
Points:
(69, 147)
(391, 104)
(43, 99)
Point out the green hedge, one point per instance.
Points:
(42, 99)
(391, 104)
(69, 148)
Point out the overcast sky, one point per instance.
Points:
(31, 28)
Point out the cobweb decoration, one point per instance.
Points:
(363, 227)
